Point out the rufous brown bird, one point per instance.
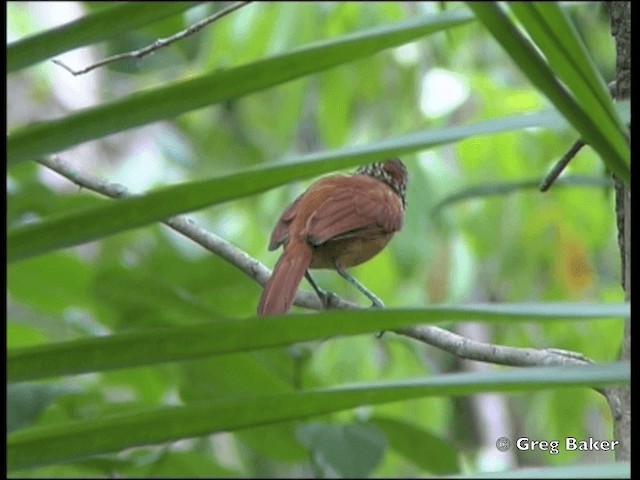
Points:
(339, 222)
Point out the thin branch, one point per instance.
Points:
(561, 165)
(187, 227)
(567, 157)
(468, 349)
(431, 335)
(158, 44)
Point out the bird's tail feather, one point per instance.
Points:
(280, 290)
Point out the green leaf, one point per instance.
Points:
(174, 464)
(25, 401)
(60, 277)
(169, 101)
(553, 32)
(141, 292)
(242, 374)
(89, 29)
(227, 336)
(506, 188)
(598, 131)
(336, 98)
(345, 451)
(60, 443)
(425, 449)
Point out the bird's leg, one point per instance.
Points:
(325, 297)
(377, 303)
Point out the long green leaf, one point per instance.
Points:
(89, 29)
(506, 188)
(555, 35)
(614, 151)
(78, 227)
(227, 336)
(54, 444)
(169, 101)
(411, 441)
(96, 222)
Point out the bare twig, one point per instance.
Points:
(487, 352)
(158, 44)
(431, 335)
(561, 165)
(573, 151)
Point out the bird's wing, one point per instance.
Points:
(356, 212)
(280, 232)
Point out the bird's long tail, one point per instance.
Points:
(280, 290)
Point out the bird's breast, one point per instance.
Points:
(348, 252)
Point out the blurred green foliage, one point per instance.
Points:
(525, 246)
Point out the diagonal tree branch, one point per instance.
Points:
(187, 227)
(435, 336)
(557, 169)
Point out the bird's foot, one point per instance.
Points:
(377, 303)
(328, 299)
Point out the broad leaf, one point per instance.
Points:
(60, 443)
(227, 336)
(169, 101)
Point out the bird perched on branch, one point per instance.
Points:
(339, 222)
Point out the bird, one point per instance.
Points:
(340, 221)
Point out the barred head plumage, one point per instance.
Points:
(392, 172)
